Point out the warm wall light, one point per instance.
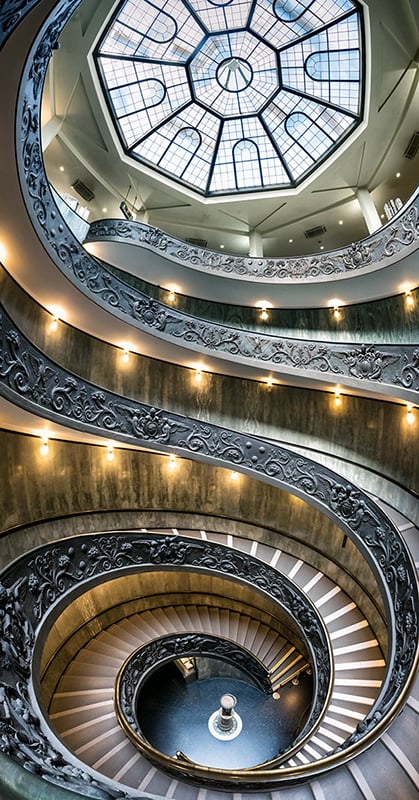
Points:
(44, 449)
(336, 312)
(110, 453)
(171, 296)
(410, 301)
(269, 382)
(410, 417)
(234, 476)
(2, 252)
(264, 305)
(338, 398)
(54, 323)
(172, 461)
(198, 375)
(125, 355)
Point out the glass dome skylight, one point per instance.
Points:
(233, 95)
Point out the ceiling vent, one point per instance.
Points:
(82, 190)
(313, 233)
(413, 146)
(197, 242)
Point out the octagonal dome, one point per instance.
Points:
(231, 95)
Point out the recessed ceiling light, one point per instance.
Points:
(104, 210)
(397, 174)
(290, 241)
(321, 247)
(221, 247)
(341, 222)
(61, 168)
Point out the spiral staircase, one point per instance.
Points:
(65, 637)
(81, 707)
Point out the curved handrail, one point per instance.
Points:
(142, 662)
(395, 237)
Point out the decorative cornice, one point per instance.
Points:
(395, 366)
(392, 239)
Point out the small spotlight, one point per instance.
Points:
(222, 246)
(104, 210)
(110, 455)
(269, 382)
(338, 398)
(171, 296)
(198, 376)
(410, 417)
(44, 449)
(54, 323)
(337, 312)
(409, 299)
(172, 461)
(234, 476)
(290, 241)
(398, 174)
(61, 168)
(125, 355)
(321, 247)
(341, 222)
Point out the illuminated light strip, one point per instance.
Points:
(401, 757)
(360, 781)
(353, 698)
(357, 626)
(358, 682)
(136, 757)
(346, 712)
(323, 745)
(274, 560)
(315, 579)
(342, 726)
(326, 597)
(97, 739)
(339, 613)
(379, 662)
(110, 753)
(146, 780)
(78, 709)
(88, 724)
(331, 735)
(340, 651)
(297, 566)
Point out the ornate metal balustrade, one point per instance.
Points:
(394, 366)
(392, 239)
(35, 588)
(34, 382)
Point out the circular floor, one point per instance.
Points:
(174, 716)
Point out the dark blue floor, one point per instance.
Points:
(174, 716)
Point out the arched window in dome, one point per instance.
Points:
(333, 65)
(137, 96)
(290, 10)
(181, 151)
(308, 134)
(247, 164)
(155, 24)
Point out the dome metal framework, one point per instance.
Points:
(230, 96)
